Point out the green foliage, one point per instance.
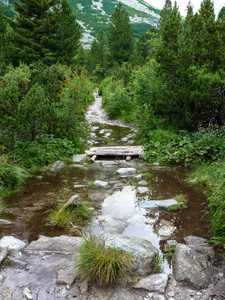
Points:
(157, 267)
(76, 215)
(102, 265)
(186, 149)
(11, 175)
(212, 176)
(120, 36)
(182, 203)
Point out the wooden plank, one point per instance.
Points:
(116, 151)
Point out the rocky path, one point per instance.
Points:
(44, 269)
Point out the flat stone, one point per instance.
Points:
(171, 243)
(100, 183)
(17, 263)
(158, 297)
(142, 182)
(142, 189)
(123, 294)
(153, 283)
(79, 158)
(154, 204)
(65, 273)
(194, 240)
(112, 225)
(140, 176)
(80, 186)
(108, 163)
(165, 228)
(6, 293)
(126, 171)
(58, 165)
(12, 243)
(63, 243)
(5, 222)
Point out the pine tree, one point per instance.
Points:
(164, 14)
(120, 36)
(68, 34)
(3, 26)
(35, 29)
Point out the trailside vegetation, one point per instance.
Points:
(175, 94)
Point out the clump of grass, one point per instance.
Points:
(102, 265)
(11, 175)
(182, 203)
(169, 251)
(2, 205)
(75, 215)
(157, 267)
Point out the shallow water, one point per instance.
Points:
(116, 205)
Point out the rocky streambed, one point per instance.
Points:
(132, 201)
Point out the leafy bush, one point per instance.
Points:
(102, 265)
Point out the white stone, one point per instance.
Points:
(153, 204)
(12, 243)
(153, 283)
(142, 190)
(100, 183)
(79, 158)
(126, 171)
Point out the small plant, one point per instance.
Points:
(102, 265)
(157, 267)
(169, 251)
(182, 203)
(77, 215)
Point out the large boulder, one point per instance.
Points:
(153, 283)
(191, 267)
(12, 243)
(144, 252)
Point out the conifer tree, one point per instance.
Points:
(35, 30)
(68, 34)
(3, 26)
(164, 14)
(120, 35)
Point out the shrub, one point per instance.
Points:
(102, 265)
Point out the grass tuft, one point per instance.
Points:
(102, 265)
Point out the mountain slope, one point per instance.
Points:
(94, 15)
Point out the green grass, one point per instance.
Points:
(100, 265)
(157, 267)
(182, 203)
(76, 215)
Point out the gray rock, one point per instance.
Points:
(99, 183)
(75, 200)
(194, 240)
(142, 190)
(140, 176)
(65, 273)
(3, 253)
(156, 163)
(142, 182)
(144, 252)
(6, 293)
(80, 186)
(191, 267)
(165, 229)
(27, 293)
(58, 165)
(5, 222)
(171, 243)
(158, 297)
(153, 283)
(154, 204)
(17, 263)
(123, 294)
(79, 158)
(112, 225)
(63, 243)
(12, 243)
(83, 285)
(126, 171)
(98, 196)
(108, 163)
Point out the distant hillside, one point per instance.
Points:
(94, 15)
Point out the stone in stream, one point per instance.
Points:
(58, 165)
(165, 229)
(143, 250)
(111, 225)
(153, 283)
(142, 182)
(154, 204)
(100, 183)
(5, 222)
(79, 158)
(126, 171)
(12, 243)
(75, 200)
(142, 189)
(191, 267)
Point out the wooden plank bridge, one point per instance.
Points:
(116, 151)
